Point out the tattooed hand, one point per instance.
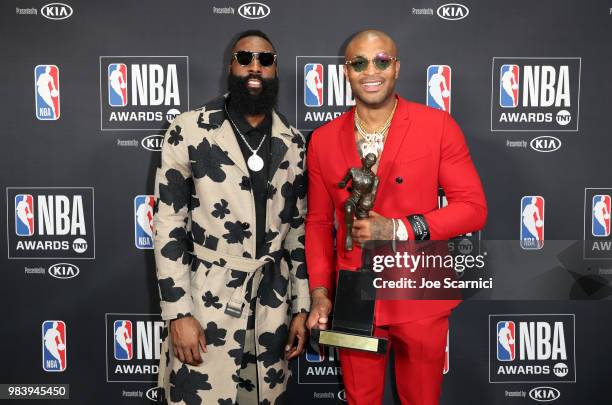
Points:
(375, 227)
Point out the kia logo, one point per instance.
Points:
(544, 394)
(545, 143)
(254, 11)
(152, 394)
(453, 11)
(56, 11)
(63, 270)
(152, 142)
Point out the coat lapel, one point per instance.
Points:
(282, 137)
(347, 140)
(226, 139)
(397, 132)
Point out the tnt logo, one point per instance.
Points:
(324, 89)
(532, 222)
(24, 215)
(143, 221)
(133, 344)
(47, 92)
(54, 346)
(540, 94)
(142, 92)
(51, 223)
(508, 86)
(532, 348)
(439, 87)
(117, 85)
(313, 85)
(123, 340)
(505, 341)
(600, 220)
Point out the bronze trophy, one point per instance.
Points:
(353, 318)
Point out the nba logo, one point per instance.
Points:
(313, 85)
(143, 221)
(532, 222)
(117, 85)
(47, 92)
(505, 341)
(439, 87)
(314, 356)
(508, 86)
(124, 349)
(54, 346)
(24, 215)
(601, 215)
(446, 356)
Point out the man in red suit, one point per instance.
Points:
(418, 150)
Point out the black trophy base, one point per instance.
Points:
(345, 340)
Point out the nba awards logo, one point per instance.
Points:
(142, 92)
(532, 222)
(124, 349)
(51, 223)
(535, 94)
(133, 347)
(319, 365)
(597, 223)
(323, 92)
(143, 221)
(439, 87)
(530, 348)
(54, 346)
(47, 92)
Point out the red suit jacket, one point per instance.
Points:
(424, 149)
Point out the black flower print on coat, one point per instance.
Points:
(244, 383)
(236, 354)
(168, 291)
(201, 237)
(177, 193)
(211, 300)
(175, 137)
(274, 377)
(238, 231)
(221, 209)
(214, 335)
(207, 160)
(185, 385)
(274, 344)
(245, 183)
(178, 246)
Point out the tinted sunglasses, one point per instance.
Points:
(244, 58)
(361, 63)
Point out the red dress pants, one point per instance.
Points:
(419, 348)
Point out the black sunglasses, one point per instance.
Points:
(360, 63)
(244, 58)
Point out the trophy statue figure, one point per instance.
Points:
(363, 193)
(353, 319)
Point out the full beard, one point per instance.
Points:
(248, 103)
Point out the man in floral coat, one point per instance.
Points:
(229, 241)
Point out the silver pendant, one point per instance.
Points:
(255, 163)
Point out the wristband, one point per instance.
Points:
(419, 226)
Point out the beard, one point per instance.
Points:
(246, 102)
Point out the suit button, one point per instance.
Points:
(399, 180)
(245, 225)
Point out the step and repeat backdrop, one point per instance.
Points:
(89, 88)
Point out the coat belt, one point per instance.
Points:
(250, 266)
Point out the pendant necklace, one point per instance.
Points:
(255, 162)
(374, 141)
